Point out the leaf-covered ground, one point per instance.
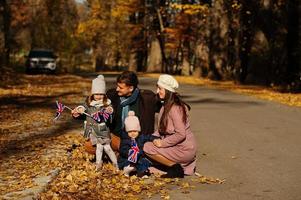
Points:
(34, 149)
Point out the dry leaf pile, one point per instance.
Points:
(78, 179)
(32, 159)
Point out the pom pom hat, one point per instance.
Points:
(168, 82)
(131, 122)
(98, 85)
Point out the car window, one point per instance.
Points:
(39, 54)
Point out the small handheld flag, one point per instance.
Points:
(133, 152)
(96, 117)
(101, 116)
(59, 109)
(105, 115)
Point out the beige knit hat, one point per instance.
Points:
(131, 122)
(168, 82)
(98, 85)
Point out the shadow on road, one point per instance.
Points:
(92, 75)
(35, 101)
(34, 128)
(13, 147)
(217, 101)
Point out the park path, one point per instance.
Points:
(253, 144)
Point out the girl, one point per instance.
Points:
(176, 147)
(97, 111)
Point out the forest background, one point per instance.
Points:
(250, 42)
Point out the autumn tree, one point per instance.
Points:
(188, 21)
(293, 70)
(114, 31)
(175, 25)
(129, 16)
(94, 29)
(53, 24)
(232, 67)
(19, 31)
(5, 30)
(15, 20)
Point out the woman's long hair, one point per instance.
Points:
(172, 98)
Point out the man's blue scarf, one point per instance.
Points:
(125, 102)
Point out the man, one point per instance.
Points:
(127, 96)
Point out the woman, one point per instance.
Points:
(176, 147)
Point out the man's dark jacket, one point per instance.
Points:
(145, 108)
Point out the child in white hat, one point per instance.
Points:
(131, 157)
(97, 112)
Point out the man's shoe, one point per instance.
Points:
(143, 174)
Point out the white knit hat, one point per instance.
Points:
(98, 85)
(131, 122)
(168, 82)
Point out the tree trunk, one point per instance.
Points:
(202, 60)
(6, 30)
(178, 59)
(299, 48)
(133, 62)
(217, 41)
(164, 67)
(185, 67)
(233, 61)
(154, 61)
(293, 42)
(248, 15)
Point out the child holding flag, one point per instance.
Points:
(131, 157)
(97, 112)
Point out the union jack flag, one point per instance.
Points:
(96, 117)
(59, 109)
(133, 152)
(101, 116)
(105, 115)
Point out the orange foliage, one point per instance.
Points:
(20, 14)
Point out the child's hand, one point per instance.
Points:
(109, 109)
(75, 113)
(80, 109)
(157, 142)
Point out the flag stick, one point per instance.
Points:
(83, 112)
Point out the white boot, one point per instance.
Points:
(127, 170)
(98, 166)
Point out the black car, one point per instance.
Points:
(41, 60)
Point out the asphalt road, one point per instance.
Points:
(254, 144)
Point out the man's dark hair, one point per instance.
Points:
(129, 78)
